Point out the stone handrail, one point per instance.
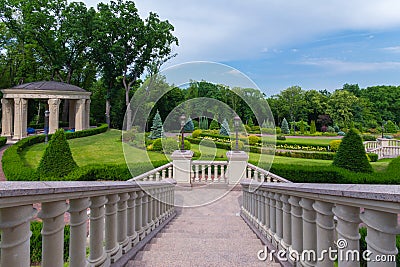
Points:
(261, 175)
(369, 145)
(303, 219)
(156, 174)
(209, 171)
(123, 216)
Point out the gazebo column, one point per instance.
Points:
(20, 118)
(87, 114)
(71, 118)
(7, 118)
(80, 114)
(54, 108)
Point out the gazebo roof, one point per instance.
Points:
(49, 85)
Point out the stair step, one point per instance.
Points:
(195, 263)
(206, 235)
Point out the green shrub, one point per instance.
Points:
(351, 154)
(373, 157)
(390, 127)
(3, 141)
(157, 145)
(334, 145)
(278, 130)
(36, 242)
(169, 145)
(196, 133)
(233, 145)
(14, 166)
(268, 130)
(254, 140)
(187, 145)
(214, 125)
(281, 138)
(368, 137)
(57, 160)
(313, 128)
(285, 126)
(306, 155)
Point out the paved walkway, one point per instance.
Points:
(2, 176)
(210, 235)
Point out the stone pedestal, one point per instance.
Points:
(182, 165)
(237, 166)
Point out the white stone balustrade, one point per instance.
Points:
(309, 219)
(119, 212)
(157, 174)
(385, 148)
(260, 175)
(209, 171)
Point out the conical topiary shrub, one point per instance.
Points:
(351, 154)
(57, 160)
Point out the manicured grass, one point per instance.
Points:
(106, 148)
(103, 148)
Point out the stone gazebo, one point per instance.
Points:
(15, 106)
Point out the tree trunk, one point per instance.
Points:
(108, 108)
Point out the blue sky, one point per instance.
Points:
(310, 43)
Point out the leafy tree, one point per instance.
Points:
(250, 122)
(214, 125)
(313, 127)
(285, 127)
(157, 130)
(189, 126)
(302, 127)
(351, 154)
(341, 107)
(224, 128)
(57, 160)
(390, 127)
(292, 99)
(203, 124)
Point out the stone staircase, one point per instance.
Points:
(210, 235)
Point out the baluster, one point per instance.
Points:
(279, 220)
(132, 235)
(52, 214)
(266, 216)
(157, 176)
(158, 214)
(216, 173)
(209, 177)
(163, 174)
(122, 217)
(256, 177)
(151, 177)
(325, 230)
(268, 178)
(138, 216)
(203, 173)
(309, 229)
(170, 173)
(150, 206)
(381, 235)
(113, 249)
(15, 235)
(262, 177)
(249, 173)
(97, 256)
(272, 216)
(196, 173)
(286, 223)
(256, 218)
(348, 220)
(297, 229)
(223, 173)
(78, 231)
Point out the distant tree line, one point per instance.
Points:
(103, 50)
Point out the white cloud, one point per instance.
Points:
(393, 49)
(340, 66)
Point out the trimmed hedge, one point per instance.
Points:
(332, 174)
(57, 159)
(3, 141)
(306, 155)
(14, 166)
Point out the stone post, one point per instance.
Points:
(97, 256)
(78, 223)
(237, 164)
(20, 118)
(80, 114)
(87, 114)
(54, 108)
(6, 122)
(181, 160)
(71, 119)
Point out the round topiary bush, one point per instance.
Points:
(57, 160)
(351, 154)
(196, 133)
(254, 140)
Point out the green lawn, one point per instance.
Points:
(106, 148)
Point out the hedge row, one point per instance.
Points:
(14, 166)
(331, 174)
(221, 145)
(3, 141)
